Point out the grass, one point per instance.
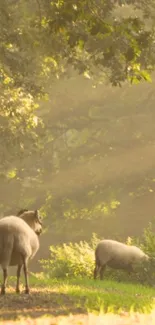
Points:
(78, 297)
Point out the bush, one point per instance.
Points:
(147, 244)
(72, 260)
(77, 260)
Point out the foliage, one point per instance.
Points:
(43, 37)
(96, 36)
(148, 240)
(72, 260)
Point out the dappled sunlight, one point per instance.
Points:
(69, 304)
(40, 302)
(64, 297)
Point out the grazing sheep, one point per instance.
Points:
(19, 243)
(118, 256)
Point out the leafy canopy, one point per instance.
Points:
(39, 41)
(101, 38)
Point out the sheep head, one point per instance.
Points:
(32, 218)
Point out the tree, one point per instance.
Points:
(97, 37)
(40, 40)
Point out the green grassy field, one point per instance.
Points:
(78, 302)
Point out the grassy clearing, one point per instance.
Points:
(80, 297)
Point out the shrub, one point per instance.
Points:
(71, 260)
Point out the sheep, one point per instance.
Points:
(18, 244)
(118, 256)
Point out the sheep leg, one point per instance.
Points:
(97, 266)
(102, 269)
(96, 270)
(5, 276)
(27, 290)
(130, 270)
(18, 278)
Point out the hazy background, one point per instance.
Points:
(95, 169)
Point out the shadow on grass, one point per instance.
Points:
(37, 304)
(74, 297)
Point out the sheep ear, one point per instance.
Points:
(36, 214)
(21, 212)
